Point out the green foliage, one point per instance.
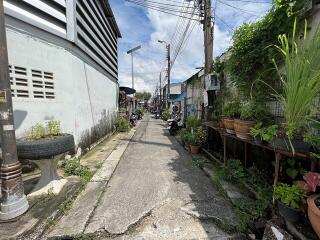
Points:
(143, 96)
(165, 114)
(198, 136)
(73, 167)
(256, 111)
(231, 109)
(265, 133)
(289, 195)
(183, 133)
(122, 124)
(251, 55)
(317, 202)
(37, 131)
(54, 128)
(198, 162)
(293, 168)
(193, 122)
(248, 210)
(233, 171)
(300, 80)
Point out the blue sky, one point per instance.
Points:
(141, 26)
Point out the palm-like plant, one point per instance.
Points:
(300, 79)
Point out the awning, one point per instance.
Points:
(128, 90)
(181, 97)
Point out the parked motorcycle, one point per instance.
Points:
(133, 119)
(157, 114)
(175, 125)
(139, 114)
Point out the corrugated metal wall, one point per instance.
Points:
(80, 21)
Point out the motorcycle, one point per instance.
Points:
(175, 125)
(139, 114)
(157, 115)
(133, 119)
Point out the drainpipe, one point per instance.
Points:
(13, 200)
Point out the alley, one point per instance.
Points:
(156, 193)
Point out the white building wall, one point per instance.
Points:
(83, 95)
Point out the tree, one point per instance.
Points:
(143, 96)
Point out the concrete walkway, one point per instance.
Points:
(156, 193)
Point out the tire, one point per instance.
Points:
(45, 148)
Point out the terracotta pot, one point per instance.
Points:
(314, 214)
(228, 123)
(194, 149)
(242, 128)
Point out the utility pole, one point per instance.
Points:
(131, 51)
(169, 71)
(208, 36)
(13, 200)
(160, 92)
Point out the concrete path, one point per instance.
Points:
(156, 193)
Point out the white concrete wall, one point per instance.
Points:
(82, 94)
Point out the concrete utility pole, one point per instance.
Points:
(208, 37)
(168, 72)
(160, 92)
(13, 200)
(131, 51)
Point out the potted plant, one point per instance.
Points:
(229, 112)
(196, 139)
(300, 80)
(289, 198)
(247, 120)
(313, 180)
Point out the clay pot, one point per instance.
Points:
(242, 128)
(194, 149)
(228, 123)
(314, 214)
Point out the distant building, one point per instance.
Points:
(63, 57)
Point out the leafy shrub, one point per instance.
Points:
(54, 128)
(165, 114)
(183, 134)
(289, 195)
(231, 110)
(265, 133)
(198, 137)
(193, 122)
(233, 171)
(122, 124)
(73, 167)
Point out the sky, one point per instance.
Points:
(143, 26)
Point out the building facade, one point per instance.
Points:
(63, 57)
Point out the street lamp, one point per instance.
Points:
(131, 51)
(168, 87)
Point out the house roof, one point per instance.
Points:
(109, 14)
(194, 76)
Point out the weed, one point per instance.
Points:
(37, 131)
(53, 128)
(122, 124)
(74, 167)
(198, 162)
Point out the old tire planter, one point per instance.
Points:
(45, 148)
(290, 214)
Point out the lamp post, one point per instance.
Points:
(13, 200)
(168, 71)
(131, 51)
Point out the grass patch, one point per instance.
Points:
(248, 210)
(73, 167)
